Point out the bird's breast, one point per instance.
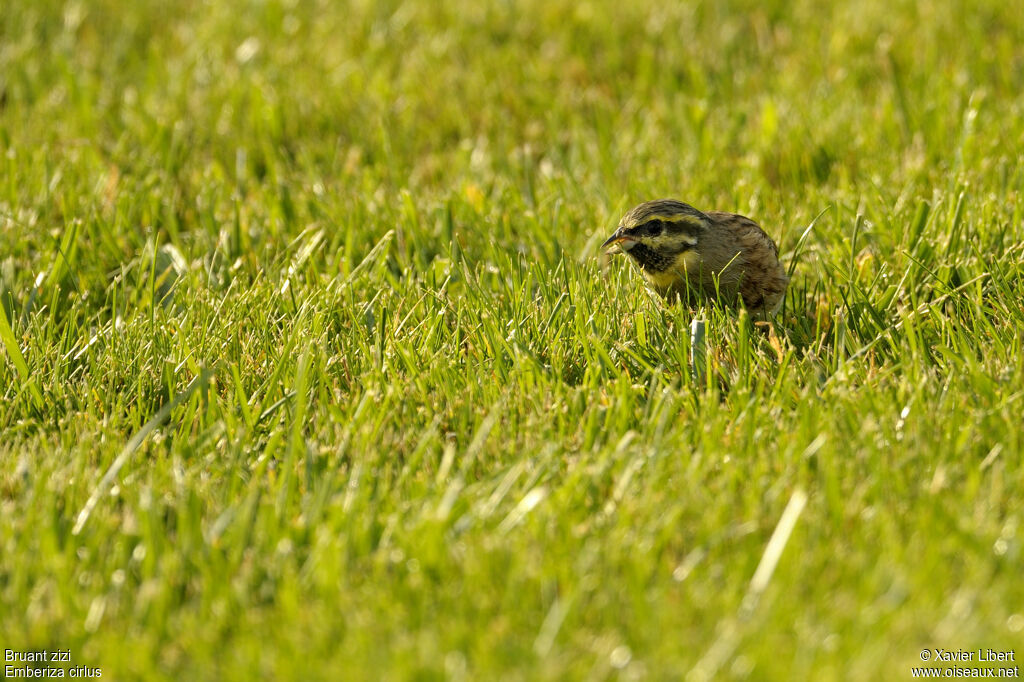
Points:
(686, 266)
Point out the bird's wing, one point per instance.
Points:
(749, 235)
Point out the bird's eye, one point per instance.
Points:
(654, 228)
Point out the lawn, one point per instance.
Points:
(312, 367)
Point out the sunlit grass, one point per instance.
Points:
(312, 367)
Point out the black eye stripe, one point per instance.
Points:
(654, 227)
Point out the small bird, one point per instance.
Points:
(682, 251)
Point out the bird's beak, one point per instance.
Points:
(619, 242)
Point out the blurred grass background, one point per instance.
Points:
(421, 430)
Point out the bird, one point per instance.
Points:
(687, 254)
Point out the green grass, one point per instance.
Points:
(311, 368)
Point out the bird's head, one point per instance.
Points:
(656, 233)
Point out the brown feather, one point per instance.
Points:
(733, 257)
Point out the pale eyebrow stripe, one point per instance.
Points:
(679, 218)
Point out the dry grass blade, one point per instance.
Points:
(131, 446)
